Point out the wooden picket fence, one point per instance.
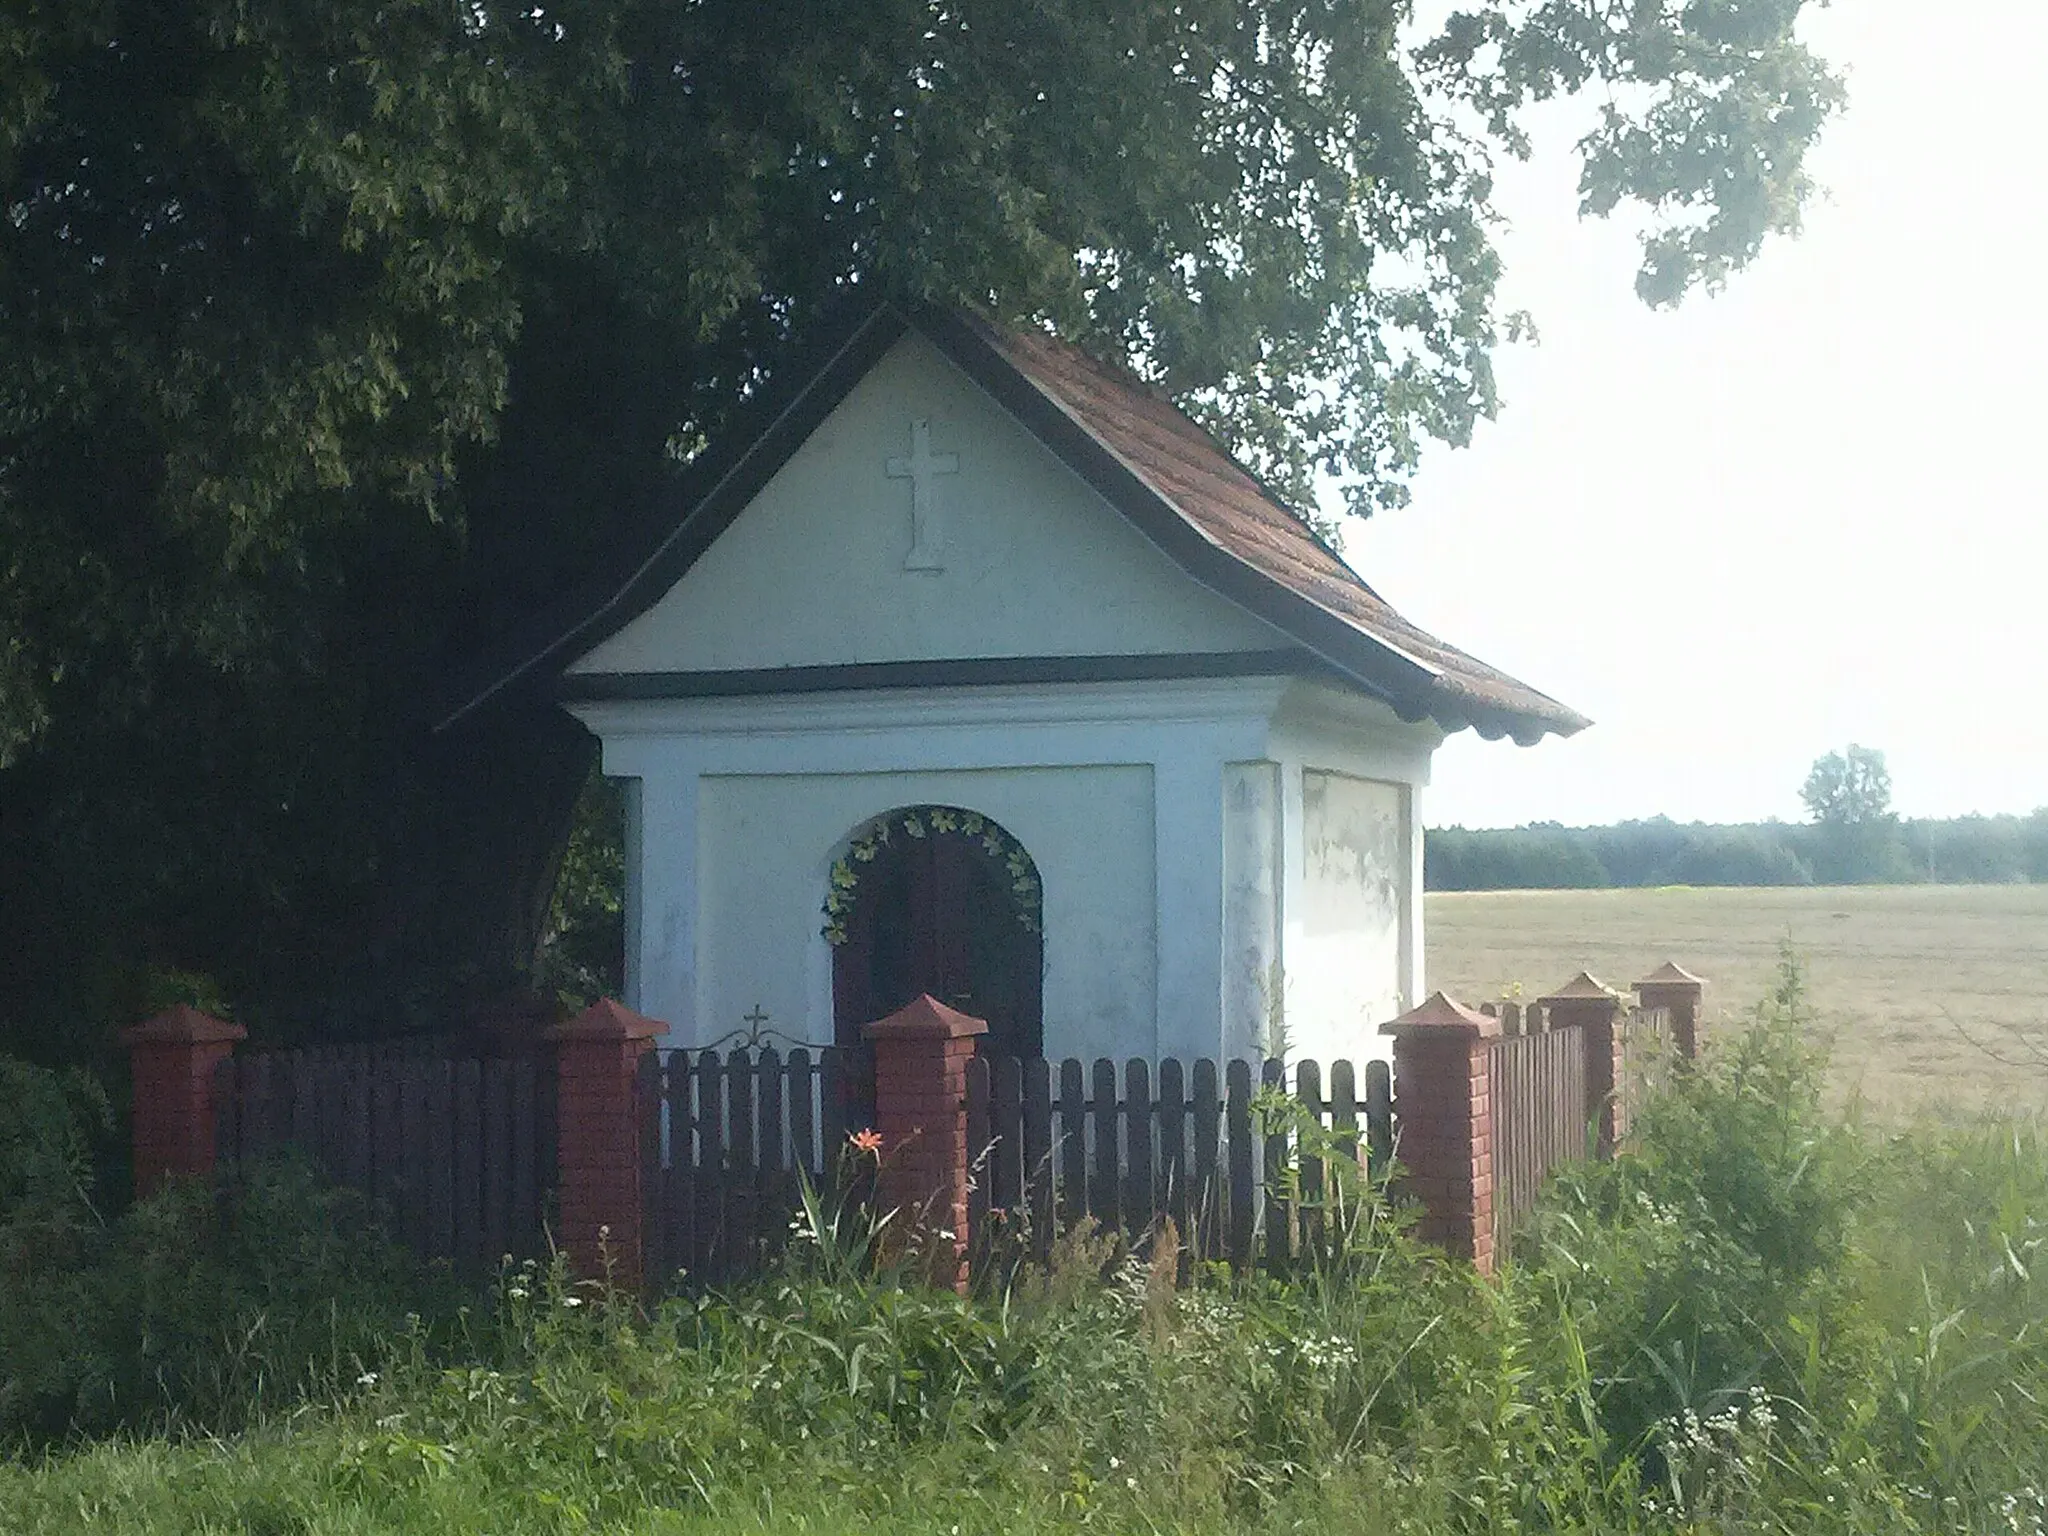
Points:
(455, 1154)
(1649, 1049)
(1127, 1147)
(724, 1138)
(458, 1152)
(1542, 1118)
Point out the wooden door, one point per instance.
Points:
(939, 914)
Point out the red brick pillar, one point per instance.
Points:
(921, 1056)
(171, 1060)
(1443, 1095)
(1671, 986)
(1596, 1008)
(597, 1131)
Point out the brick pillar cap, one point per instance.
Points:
(924, 1017)
(606, 1020)
(1671, 974)
(1440, 1015)
(1582, 988)
(182, 1025)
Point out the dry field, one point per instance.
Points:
(1937, 996)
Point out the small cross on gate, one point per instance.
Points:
(920, 469)
(756, 1022)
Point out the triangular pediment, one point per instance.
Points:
(919, 521)
(932, 499)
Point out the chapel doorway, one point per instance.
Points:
(940, 900)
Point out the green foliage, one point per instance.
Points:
(1547, 856)
(336, 215)
(1541, 856)
(1849, 788)
(46, 1139)
(187, 1309)
(1854, 839)
(1973, 850)
(2033, 837)
(583, 947)
(1952, 1273)
(1735, 856)
(1855, 833)
(1696, 1265)
(1704, 77)
(872, 841)
(342, 334)
(1967, 850)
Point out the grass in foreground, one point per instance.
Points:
(1760, 1318)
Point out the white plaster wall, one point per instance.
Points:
(1317, 728)
(766, 844)
(1344, 954)
(812, 573)
(1253, 990)
(1117, 790)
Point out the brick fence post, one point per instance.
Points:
(1672, 986)
(921, 1056)
(597, 1133)
(1594, 1007)
(1443, 1095)
(171, 1061)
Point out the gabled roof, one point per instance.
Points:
(1144, 455)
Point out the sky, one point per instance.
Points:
(1802, 512)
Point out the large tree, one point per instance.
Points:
(1857, 837)
(338, 332)
(1850, 788)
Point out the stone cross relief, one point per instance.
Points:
(921, 469)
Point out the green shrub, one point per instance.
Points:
(191, 1308)
(46, 1138)
(1951, 1278)
(1708, 1257)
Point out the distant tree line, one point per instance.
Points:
(1966, 850)
(1854, 839)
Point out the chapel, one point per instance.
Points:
(978, 669)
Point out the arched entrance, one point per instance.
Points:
(932, 898)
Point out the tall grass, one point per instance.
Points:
(1758, 1318)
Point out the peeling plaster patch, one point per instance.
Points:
(1253, 993)
(1347, 980)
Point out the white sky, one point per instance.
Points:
(1802, 512)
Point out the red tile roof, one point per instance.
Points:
(1191, 473)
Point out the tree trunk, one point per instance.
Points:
(498, 797)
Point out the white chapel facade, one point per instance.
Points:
(980, 670)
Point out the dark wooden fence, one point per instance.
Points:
(1129, 1146)
(1541, 1115)
(725, 1136)
(723, 1140)
(457, 1154)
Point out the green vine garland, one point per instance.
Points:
(928, 821)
